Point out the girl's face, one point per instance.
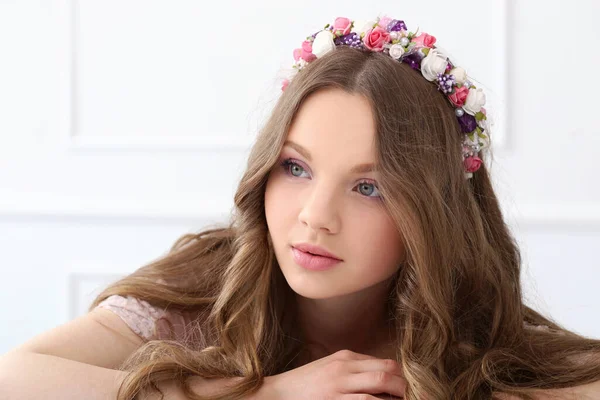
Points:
(322, 192)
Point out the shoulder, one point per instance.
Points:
(146, 320)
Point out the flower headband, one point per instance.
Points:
(390, 36)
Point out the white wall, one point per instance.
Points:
(125, 124)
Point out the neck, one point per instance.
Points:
(358, 322)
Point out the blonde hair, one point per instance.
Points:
(456, 301)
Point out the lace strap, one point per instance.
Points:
(139, 315)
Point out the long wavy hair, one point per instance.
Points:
(456, 301)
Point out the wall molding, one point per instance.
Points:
(27, 206)
(500, 110)
(231, 142)
(75, 141)
(82, 288)
(556, 217)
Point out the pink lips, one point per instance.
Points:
(313, 262)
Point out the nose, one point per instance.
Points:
(320, 210)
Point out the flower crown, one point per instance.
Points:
(390, 36)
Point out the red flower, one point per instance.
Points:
(459, 96)
(305, 52)
(472, 164)
(342, 26)
(425, 40)
(375, 38)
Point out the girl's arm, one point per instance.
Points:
(26, 375)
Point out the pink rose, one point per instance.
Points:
(425, 40)
(459, 96)
(472, 164)
(341, 26)
(305, 52)
(384, 22)
(285, 84)
(375, 38)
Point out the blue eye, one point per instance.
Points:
(292, 168)
(369, 189)
(366, 188)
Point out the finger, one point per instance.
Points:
(351, 355)
(374, 382)
(386, 365)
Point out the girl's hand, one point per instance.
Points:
(344, 375)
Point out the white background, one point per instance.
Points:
(125, 124)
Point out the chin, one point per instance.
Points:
(309, 288)
(316, 287)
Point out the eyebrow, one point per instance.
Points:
(357, 169)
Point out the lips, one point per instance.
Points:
(313, 262)
(315, 250)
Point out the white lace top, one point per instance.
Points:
(147, 321)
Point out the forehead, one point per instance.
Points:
(334, 121)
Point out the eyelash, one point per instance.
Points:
(285, 164)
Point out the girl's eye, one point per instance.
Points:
(292, 168)
(365, 188)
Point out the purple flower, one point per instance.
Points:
(396, 25)
(445, 83)
(467, 122)
(352, 39)
(414, 60)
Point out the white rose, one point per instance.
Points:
(475, 100)
(460, 75)
(396, 51)
(435, 63)
(361, 27)
(323, 43)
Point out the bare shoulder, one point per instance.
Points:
(99, 338)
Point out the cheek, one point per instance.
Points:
(277, 205)
(376, 241)
(270, 204)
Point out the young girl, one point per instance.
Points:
(367, 256)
